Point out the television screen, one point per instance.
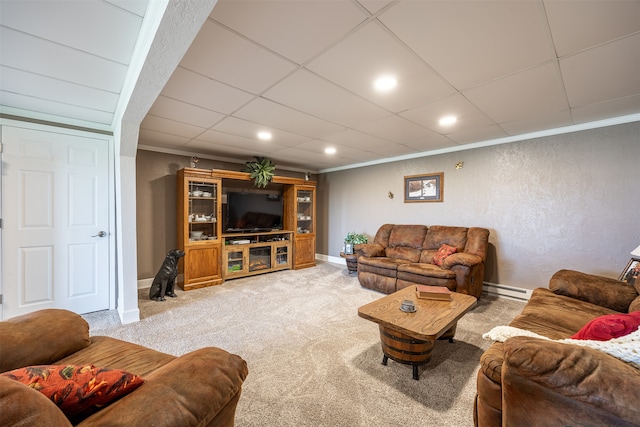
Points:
(253, 211)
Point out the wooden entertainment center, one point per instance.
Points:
(213, 255)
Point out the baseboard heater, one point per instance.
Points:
(503, 291)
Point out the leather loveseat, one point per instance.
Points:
(201, 388)
(530, 381)
(402, 255)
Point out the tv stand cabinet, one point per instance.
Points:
(211, 257)
(248, 254)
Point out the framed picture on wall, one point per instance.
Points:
(631, 272)
(423, 188)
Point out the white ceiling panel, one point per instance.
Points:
(86, 25)
(61, 61)
(402, 131)
(281, 117)
(186, 113)
(192, 88)
(371, 52)
(374, 6)
(170, 127)
(228, 57)
(578, 25)
(352, 138)
(486, 133)
(541, 87)
(602, 110)
(161, 140)
(54, 90)
(557, 118)
(314, 95)
(249, 130)
(297, 30)
(608, 72)
(454, 37)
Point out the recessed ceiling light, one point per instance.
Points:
(448, 120)
(330, 150)
(385, 83)
(264, 136)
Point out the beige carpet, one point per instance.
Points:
(312, 361)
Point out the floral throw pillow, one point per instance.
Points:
(77, 390)
(444, 251)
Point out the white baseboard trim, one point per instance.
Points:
(145, 283)
(509, 292)
(331, 259)
(129, 316)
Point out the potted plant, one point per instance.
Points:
(352, 239)
(261, 171)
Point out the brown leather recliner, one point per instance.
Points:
(200, 388)
(535, 382)
(402, 255)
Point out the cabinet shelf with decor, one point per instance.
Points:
(198, 212)
(300, 216)
(247, 254)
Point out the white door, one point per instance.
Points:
(55, 241)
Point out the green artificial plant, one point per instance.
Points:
(261, 171)
(355, 238)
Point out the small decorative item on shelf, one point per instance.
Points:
(351, 240)
(261, 171)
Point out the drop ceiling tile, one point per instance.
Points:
(370, 52)
(469, 43)
(314, 95)
(192, 88)
(374, 6)
(53, 90)
(185, 113)
(38, 56)
(468, 115)
(551, 120)
(161, 140)
(607, 72)
(578, 25)
(139, 7)
(103, 29)
(402, 131)
(530, 93)
(281, 117)
(249, 130)
(224, 56)
(217, 149)
(354, 139)
(298, 30)
(605, 110)
(170, 127)
(54, 108)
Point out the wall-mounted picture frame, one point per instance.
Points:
(423, 188)
(631, 272)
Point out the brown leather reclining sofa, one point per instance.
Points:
(529, 381)
(402, 255)
(201, 388)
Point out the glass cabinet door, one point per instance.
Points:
(235, 261)
(304, 212)
(203, 206)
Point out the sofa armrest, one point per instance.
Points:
(41, 338)
(21, 405)
(369, 249)
(188, 391)
(602, 291)
(462, 258)
(551, 383)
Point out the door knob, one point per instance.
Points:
(100, 234)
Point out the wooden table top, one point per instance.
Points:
(431, 319)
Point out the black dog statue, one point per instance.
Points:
(165, 280)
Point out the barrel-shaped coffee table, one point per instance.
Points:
(409, 337)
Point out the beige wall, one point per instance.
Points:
(156, 207)
(566, 201)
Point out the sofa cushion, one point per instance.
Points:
(410, 236)
(426, 270)
(444, 251)
(403, 253)
(77, 390)
(609, 326)
(439, 234)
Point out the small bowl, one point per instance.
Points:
(196, 234)
(197, 193)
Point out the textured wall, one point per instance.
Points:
(566, 201)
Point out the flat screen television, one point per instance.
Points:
(253, 212)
